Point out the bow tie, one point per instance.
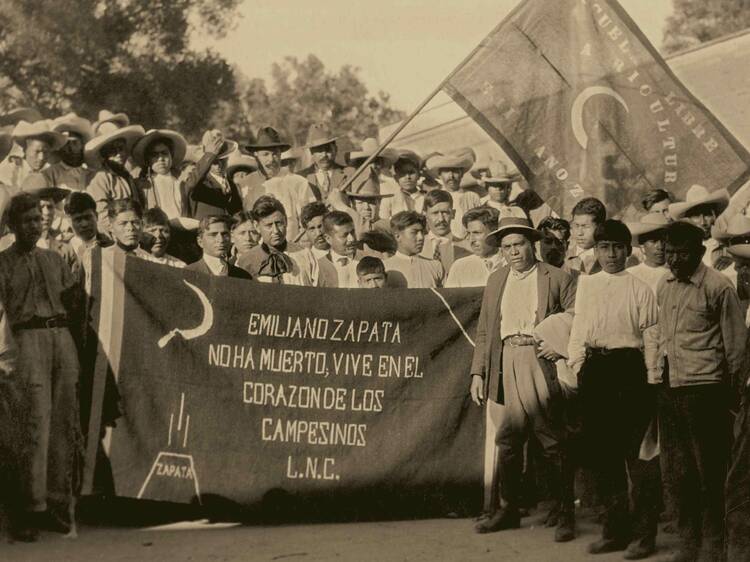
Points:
(275, 265)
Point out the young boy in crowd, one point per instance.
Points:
(588, 213)
(371, 273)
(156, 236)
(407, 267)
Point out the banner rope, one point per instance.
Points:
(456, 320)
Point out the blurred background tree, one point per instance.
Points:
(697, 21)
(135, 56)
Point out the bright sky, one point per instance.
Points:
(404, 47)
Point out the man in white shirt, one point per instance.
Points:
(450, 168)
(613, 310)
(510, 367)
(588, 213)
(407, 268)
(440, 243)
(650, 234)
(338, 267)
(407, 197)
(475, 269)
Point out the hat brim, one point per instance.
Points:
(638, 229)
(57, 194)
(718, 199)
(740, 250)
(83, 132)
(445, 163)
(227, 148)
(54, 139)
(388, 155)
(184, 223)
(119, 119)
(22, 114)
(270, 146)
(131, 134)
(509, 178)
(176, 141)
(368, 196)
(496, 236)
(240, 165)
(319, 142)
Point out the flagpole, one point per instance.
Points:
(411, 116)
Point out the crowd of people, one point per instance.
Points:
(615, 347)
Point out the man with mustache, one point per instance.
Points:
(613, 312)
(214, 238)
(408, 267)
(475, 269)
(450, 168)
(440, 243)
(325, 174)
(338, 268)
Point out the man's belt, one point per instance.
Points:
(518, 340)
(37, 323)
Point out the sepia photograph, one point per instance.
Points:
(411, 280)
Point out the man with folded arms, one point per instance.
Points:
(510, 367)
(613, 310)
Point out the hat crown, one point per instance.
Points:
(369, 186)
(267, 136)
(696, 193)
(656, 219)
(507, 222)
(319, 134)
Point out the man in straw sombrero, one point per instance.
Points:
(38, 140)
(649, 234)
(450, 168)
(273, 179)
(70, 172)
(511, 368)
(324, 175)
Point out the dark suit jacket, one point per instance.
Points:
(208, 198)
(234, 271)
(556, 292)
(339, 176)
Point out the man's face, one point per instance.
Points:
(36, 154)
(272, 229)
(324, 155)
(156, 239)
(343, 240)
(703, 216)
(160, 158)
(367, 208)
(315, 234)
(116, 152)
(411, 240)
(439, 218)
(683, 259)
(407, 176)
(518, 251)
(612, 255)
(28, 228)
(84, 225)
(371, 280)
(477, 233)
(72, 152)
(582, 231)
(661, 208)
(270, 161)
(47, 207)
(654, 249)
(499, 192)
(451, 178)
(245, 237)
(216, 240)
(239, 175)
(126, 228)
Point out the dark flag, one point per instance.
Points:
(585, 106)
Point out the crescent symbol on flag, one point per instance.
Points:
(576, 112)
(201, 329)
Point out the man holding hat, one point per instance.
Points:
(325, 174)
(408, 197)
(650, 235)
(703, 335)
(38, 140)
(450, 168)
(702, 208)
(512, 368)
(613, 311)
(213, 194)
(273, 179)
(70, 172)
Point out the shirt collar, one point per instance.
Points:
(319, 253)
(216, 265)
(403, 256)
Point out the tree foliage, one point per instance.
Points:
(697, 21)
(303, 92)
(127, 55)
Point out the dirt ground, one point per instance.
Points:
(428, 540)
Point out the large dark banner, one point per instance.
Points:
(243, 390)
(585, 106)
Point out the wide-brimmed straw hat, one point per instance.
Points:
(696, 196)
(651, 222)
(513, 225)
(237, 160)
(369, 147)
(462, 159)
(267, 138)
(72, 123)
(6, 145)
(106, 116)
(737, 236)
(25, 131)
(368, 188)
(110, 132)
(291, 155)
(172, 138)
(409, 156)
(14, 116)
(501, 173)
(318, 135)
